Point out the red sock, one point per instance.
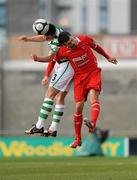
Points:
(78, 118)
(95, 111)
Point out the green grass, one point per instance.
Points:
(68, 168)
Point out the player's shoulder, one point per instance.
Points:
(63, 49)
(59, 28)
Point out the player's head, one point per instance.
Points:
(67, 39)
(51, 33)
(51, 30)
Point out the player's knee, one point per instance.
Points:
(60, 98)
(79, 107)
(94, 97)
(51, 93)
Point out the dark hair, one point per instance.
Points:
(63, 37)
(51, 31)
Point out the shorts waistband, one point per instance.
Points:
(59, 62)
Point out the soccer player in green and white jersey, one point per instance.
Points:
(59, 84)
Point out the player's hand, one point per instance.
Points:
(34, 57)
(113, 60)
(45, 80)
(23, 38)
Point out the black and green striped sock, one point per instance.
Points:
(57, 115)
(44, 112)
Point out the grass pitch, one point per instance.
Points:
(68, 168)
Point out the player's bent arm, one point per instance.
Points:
(48, 71)
(50, 67)
(99, 49)
(36, 38)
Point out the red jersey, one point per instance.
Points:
(81, 58)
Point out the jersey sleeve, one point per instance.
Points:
(49, 68)
(54, 46)
(57, 57)
(101, 51)
(97, 47)
(91, 41)
(60, 54)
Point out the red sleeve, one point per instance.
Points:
(100, 50)
(60, 54)
(96, 47)
(89, 39)
(49, 68)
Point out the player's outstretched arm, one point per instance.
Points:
(43, 59)
(101, 51)
(36, 38)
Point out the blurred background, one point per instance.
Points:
(113, 24)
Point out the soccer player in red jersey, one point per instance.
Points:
(87, 76)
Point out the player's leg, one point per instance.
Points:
(95, 110)
(45, 109)
(57, 114)
(79, 94)
(95, 106)
(59, 109)
(94, 83)
(46, 106)
(78, 119)
(62, 82)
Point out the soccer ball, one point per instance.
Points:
(40, 26)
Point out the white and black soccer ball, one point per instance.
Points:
(40, 26)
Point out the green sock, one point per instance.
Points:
(57, 115)
(44, 112)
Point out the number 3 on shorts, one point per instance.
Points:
(54, 77)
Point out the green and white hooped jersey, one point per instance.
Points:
(54, 44)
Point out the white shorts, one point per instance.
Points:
(62, 76)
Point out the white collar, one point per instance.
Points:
(78, 39)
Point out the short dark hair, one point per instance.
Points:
(51, 31)
(63, 37)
